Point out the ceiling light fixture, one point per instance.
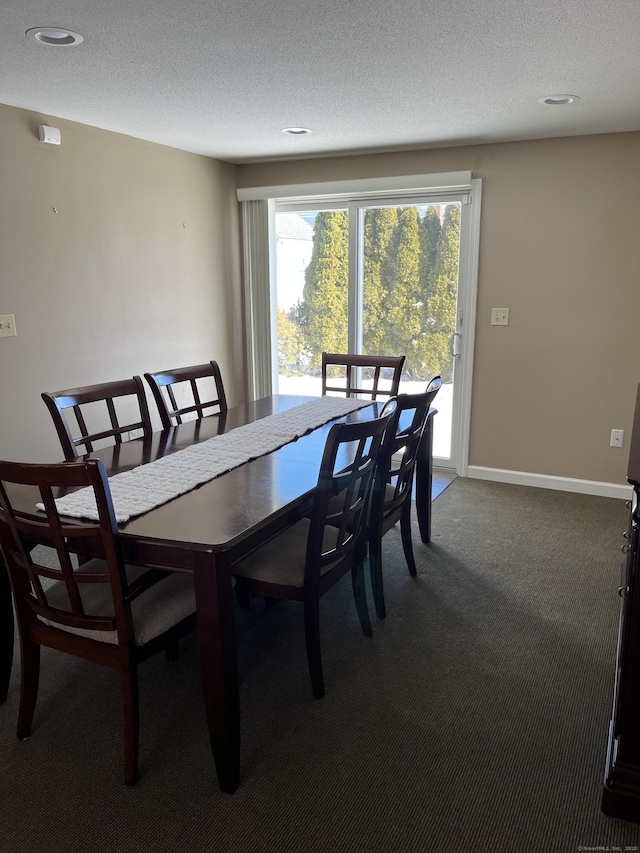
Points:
(55, 35)
(558, 100)
(296, 131)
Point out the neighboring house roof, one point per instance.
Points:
(291, 226)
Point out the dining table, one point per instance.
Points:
(206, 530)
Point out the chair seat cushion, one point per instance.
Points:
(282, 560)
(159, 608)
(388, 498)
(389, 493)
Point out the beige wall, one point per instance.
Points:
(113, 284)
(559, 247)
(137, 271)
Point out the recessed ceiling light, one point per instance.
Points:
(558, 100)
(55, 35)
(296, 131)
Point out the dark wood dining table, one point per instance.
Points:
(205, 531)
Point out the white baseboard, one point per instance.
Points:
(545, 481)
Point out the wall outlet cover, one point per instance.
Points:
(7, 326)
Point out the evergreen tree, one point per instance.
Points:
(401, 281)
(441, 307)
(410, 280)
(429, 234)
(323, 311)
(379, 227)
(430, 229)
(292, 354)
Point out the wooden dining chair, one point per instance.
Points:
(104, 611)
(358, 370)
(187, 378)
(72, 410)
(306, 560)
(391, 497)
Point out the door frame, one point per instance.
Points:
(408, 189)
(466, 321)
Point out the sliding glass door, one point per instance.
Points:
(380, 278)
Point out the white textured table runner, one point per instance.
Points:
(148, 486)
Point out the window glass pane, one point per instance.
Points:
(311, 295)
(410, 285)
(409, 292)
(409, 288)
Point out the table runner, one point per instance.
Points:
(148, 486)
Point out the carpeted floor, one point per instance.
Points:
(475, 718)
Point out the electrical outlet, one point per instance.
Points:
(617, 437)
(7, 326)
(135, 433)
(499, 316)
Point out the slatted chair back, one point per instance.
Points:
(72, 410)
(339, 514)
(356, 371)
(400, 448)
(187, 382)
(391, 498)
(20, 531)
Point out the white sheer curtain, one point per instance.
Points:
(256, 225)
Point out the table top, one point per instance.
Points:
(261, 496)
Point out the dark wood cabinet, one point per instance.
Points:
(621, 794)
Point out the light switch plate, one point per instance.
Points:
(617, 437)
(499, 316)
(7, 326)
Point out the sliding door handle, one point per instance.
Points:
(454, 344)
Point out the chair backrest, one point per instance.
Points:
(339, 513)
(360, 370)
(434, 384)
(19, 531)
(131, 399)
(164, 393)
(399, 451)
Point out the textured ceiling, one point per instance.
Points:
(223, 78)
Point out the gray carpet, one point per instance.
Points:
(475, 718)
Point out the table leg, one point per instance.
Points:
(424, 464)
(6, 632)
(219, 664)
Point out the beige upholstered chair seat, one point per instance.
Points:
(389, 495)
(282, 561)
(156, 610)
